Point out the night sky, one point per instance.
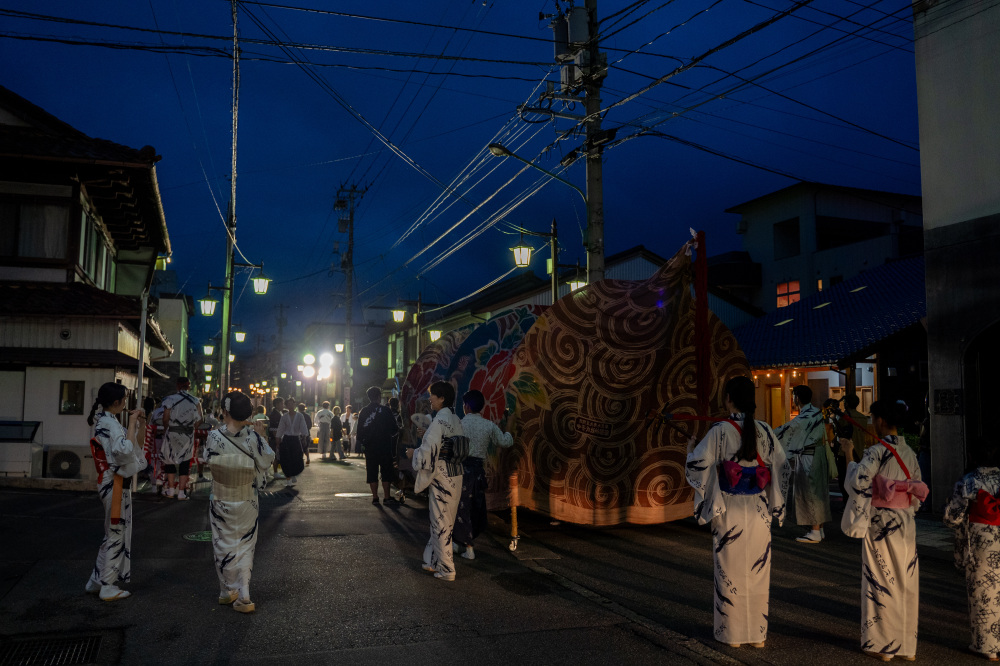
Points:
(825, 93)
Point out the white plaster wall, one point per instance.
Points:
(11, 396)
(958, 79)
(41, 402)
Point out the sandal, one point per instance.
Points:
(113, 593)
(228, 597)
(244, 606)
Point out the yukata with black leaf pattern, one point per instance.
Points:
(125, 459)
(239, 467)
(974, 513)
(740, 516)
(890, 571)
(443, 480)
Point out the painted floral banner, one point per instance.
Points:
(431, 366)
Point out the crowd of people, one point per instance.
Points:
(744, 476)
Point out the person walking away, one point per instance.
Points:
(324, 418)
(884, 489)
(485, 438)
(438, 463)
(377, 430)
(291, 432)
(182, 413)
(274, 420)
(830, 422)
(803, 439)
(336, 436)
(974, 513)
(351, 428)
(118, 457)
(740, 478)
(307, 440)
(240, 458)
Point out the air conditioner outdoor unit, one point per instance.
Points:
(67, 461)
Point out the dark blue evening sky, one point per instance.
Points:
(826, 93)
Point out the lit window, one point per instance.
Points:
(819, 285)
(788, 293)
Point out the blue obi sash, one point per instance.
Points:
(745, 484)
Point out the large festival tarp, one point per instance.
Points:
(431, 366)
(483, 360)
(583, 381)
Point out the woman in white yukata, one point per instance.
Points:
(740, 477)
(883, 492)
(239, 458)
(974, 512)
(438, 464)
(120, 455)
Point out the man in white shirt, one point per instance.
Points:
(291, 432)
(324, 418)
(181, 415)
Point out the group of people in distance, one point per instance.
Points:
(240, 458)
(740, 475)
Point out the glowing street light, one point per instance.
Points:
(435, 335)
(326, 360)
(240, 336)
(365, 361)
(339, 347)
(324, 372)
(308, 359)
(208, 349)
(398, 315)
(208, 367)
(522, 255)
(308, 371)
(577, 284)
(207, 305)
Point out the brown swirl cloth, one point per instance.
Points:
(585, 376)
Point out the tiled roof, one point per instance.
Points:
(844, 321)
(72, 299)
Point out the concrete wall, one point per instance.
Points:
(958, 97)
(958, 88)
(12, 396)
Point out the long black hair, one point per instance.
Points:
(107, 395)
(742, 394)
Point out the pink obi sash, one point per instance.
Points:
(985, 509)
(893, 494)
(735, 471)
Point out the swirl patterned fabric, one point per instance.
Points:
(431, 366)
(584, 378)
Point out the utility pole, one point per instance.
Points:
(347, 198)
(281, 346)
(593, 75)
(582, 70)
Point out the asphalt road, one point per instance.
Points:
(337, 580)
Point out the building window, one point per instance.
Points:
(788, 293)
(786, 239)
(819, 285)
(71, 397)
(34, 230)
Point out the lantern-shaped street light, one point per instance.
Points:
(435, 335)
(208, 349)
(398, 316)
(240, 336)
(577, 284)
(208, 304)
(208, 367)
(260, 283)
(339, 347)
(308, 359)
(365, 361)
(522, 255)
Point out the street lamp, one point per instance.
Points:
(260, 283)
(435, 335)
(240, 336)
(365, 361)
(208, 304)
(326, 359)
(208, 349)
(208, 367)
(595, 246)
(339, 347)
(522, 254)
(398, 316)
(525, 254)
